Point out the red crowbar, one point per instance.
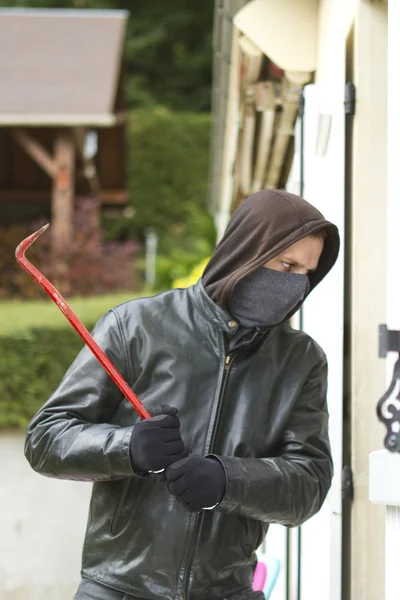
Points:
(76, 323)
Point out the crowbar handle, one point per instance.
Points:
(76, 323)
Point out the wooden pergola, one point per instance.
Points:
(62, 127)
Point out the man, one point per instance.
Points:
(239, 423)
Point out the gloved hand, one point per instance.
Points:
(196, 482)
(156, 442)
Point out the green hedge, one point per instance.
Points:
(31, 367)
(33, 360)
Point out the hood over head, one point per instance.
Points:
(264, 225)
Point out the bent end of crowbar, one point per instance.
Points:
(24, 245)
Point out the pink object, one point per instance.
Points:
(260, 576)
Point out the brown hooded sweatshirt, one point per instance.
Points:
(264, 225)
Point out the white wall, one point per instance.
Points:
(42, 524)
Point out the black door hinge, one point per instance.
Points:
(347, 484)
(350, 99)
(389, 340)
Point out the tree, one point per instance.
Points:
(169, 53)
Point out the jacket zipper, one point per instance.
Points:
(227, 364)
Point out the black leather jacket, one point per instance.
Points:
(262, 412)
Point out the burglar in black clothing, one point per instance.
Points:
(239, 425)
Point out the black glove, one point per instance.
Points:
(156, 442)
(196, 482)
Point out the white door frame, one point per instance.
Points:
(323, 312)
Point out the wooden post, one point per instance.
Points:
(62, 208)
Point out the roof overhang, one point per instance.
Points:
(59, 120)
(287, 34)
(60, 67)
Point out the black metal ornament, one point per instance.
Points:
(388, 409)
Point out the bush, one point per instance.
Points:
(184, 247)
(90, 265)
(31, 367)
(168, 170)
(169, 188)
(33, 360)
(193, 277)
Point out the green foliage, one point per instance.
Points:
(37, 347)
(168, 173)
(168, 183)
(31, 367)
(168, 54)
(193, 277)
(185, 246)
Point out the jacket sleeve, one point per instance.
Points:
(71, 436)
(291, 487)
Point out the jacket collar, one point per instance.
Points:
(211, 311)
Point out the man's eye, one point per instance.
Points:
(287, 266)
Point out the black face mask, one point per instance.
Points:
(265, 297)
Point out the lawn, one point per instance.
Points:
(19, 315)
